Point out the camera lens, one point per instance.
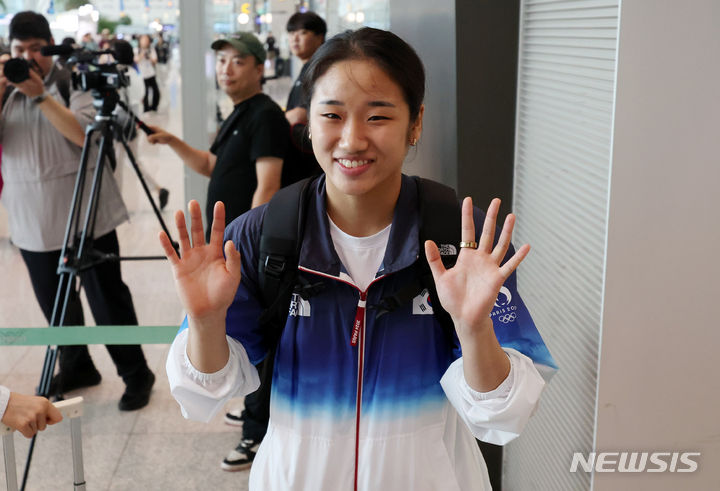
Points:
(16, 70)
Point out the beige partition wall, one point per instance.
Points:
(659, 384)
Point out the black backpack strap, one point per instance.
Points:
(280, 241)
(440, 220)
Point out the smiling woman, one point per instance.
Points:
(359, 401)
(361, 131)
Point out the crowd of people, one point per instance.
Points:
(351, 391)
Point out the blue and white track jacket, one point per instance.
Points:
(357, 402)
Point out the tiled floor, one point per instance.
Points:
(154, 448)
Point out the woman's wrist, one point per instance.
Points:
(477, 333)
(485, 364)
(207, 347)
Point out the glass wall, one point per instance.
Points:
(352, 14)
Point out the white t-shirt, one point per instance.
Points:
(361, 256)
(146, 65)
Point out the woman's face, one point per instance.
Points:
(360, 127)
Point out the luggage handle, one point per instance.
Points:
(70, 409)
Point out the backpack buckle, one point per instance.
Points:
(275, 265)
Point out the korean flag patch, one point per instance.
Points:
(422, 305)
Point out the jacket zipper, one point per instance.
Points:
(357, 339)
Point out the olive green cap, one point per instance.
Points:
(245, 42)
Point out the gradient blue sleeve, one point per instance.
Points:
(514, 327)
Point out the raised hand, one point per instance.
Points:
(469, 290)
(205, 281)
(33, 86)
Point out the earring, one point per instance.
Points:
(413, 142)
(309, 135)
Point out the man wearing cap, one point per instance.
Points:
(245, 162)
(245, 166)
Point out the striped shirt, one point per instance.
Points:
(40, 166)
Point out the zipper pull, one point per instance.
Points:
(359, 319)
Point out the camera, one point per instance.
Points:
(16, 70)
(89, 73)
(104, 77)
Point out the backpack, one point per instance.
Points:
(281, 237)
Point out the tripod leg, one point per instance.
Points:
(76, 203)
(93, 200)
(66, 268)
(58, 313)
(135, 166)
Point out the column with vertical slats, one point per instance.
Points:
(566, 92)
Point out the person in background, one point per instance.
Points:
(245, 162)
(162, 53)
(26, 414)
(105, 35)
(133, 97)
(67, 41)
(4, 56)
(246, 165)
(307, 33)
(146, 60)
(88, 42)
(42, 131)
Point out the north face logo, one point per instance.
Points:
(447, 250)
(299, 306)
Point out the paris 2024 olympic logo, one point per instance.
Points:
(504, 309)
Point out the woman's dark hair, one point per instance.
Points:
(29, 25)
(392, 54)
(307, 20)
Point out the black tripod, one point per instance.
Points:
(77, 252)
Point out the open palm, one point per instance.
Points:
(205, 281)
(469, 290)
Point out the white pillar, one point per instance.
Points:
(198, 87)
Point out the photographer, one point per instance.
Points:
(42, 131)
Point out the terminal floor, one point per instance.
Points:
(154, 448)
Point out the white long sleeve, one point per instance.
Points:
(500, 415)
(4, 399)
(202, 395)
